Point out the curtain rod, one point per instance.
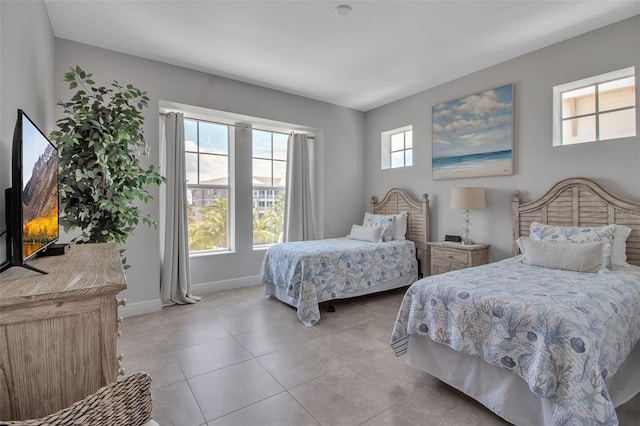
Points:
(234, 125)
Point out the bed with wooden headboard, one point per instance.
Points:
(305, 273)
(578, 202)
(537, 345)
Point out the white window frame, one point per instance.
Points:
(230, 187)
(385, 147)
(574, 85)
(267, 193)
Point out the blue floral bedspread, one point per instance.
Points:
(316, 271)
(562, 332)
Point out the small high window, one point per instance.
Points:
(595, 108)
(397, 148)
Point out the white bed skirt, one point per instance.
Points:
(281, 293)
(502, 391)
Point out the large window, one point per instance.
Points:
(397, 148)
(595, 109)
(207, 163)
(218, 167)
(269, 161)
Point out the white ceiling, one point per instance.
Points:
(381, 52)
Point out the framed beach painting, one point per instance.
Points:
(473, 136)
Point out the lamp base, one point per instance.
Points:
(467, 243)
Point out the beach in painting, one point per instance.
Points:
(498, 163)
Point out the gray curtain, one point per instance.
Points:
(175, 277)
(299, 224)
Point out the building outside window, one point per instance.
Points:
(593, 109)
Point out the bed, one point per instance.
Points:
(537, 346)
(306, 273)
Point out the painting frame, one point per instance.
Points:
(473, 136)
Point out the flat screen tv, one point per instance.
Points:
(32, 200)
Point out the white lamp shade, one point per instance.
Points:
(468, 198)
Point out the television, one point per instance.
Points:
(32, 200)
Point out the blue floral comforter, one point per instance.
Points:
(562, 332)
(316, 271)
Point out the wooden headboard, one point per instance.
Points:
(579, 202)
(397, 201)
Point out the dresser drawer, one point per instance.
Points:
(446, 257)
(439, 267)
(451, 256)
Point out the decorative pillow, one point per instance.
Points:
(619, 247)
(583, 257)
(366, 233)
(400, 228)
(388, 221)
(574, 234)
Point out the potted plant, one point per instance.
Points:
(100, 140)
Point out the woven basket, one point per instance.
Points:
(123, 403)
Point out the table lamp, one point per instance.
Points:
(467, 199)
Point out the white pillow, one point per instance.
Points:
(388, 221)
(400, 228)
(619, 246)
(574, 234)
(584, 257)
(366, 233)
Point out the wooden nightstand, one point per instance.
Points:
(447, 257)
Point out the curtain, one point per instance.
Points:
(175, 277)
(298, 215)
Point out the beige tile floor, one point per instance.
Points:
(240, 358)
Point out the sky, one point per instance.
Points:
(214, 140)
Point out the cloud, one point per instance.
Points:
(481, 104)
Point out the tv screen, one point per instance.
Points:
(39, 189)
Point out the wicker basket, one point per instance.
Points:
(123, 403)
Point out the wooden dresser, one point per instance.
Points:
(58, 331)
(447, 257)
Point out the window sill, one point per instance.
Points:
(210, 253)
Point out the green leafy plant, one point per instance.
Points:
(100, 140)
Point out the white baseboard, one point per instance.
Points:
(211, 287)
(140, 308)
(151, 306)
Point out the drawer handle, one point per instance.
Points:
(122, 302)
(121, 371)
(119, 333)
(120, 357)
(120, 320)
(451, 257)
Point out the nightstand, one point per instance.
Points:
(447, 256)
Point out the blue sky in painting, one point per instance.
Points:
(474, 124)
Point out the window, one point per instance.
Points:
(595, 109)
(236, 177)
(207, 164)
(269, 161)
(397, 148)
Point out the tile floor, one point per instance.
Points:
(240, 358)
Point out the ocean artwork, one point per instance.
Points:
(473, 136)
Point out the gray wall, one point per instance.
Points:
(537, 165)
(26, 79)
(342, 136)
